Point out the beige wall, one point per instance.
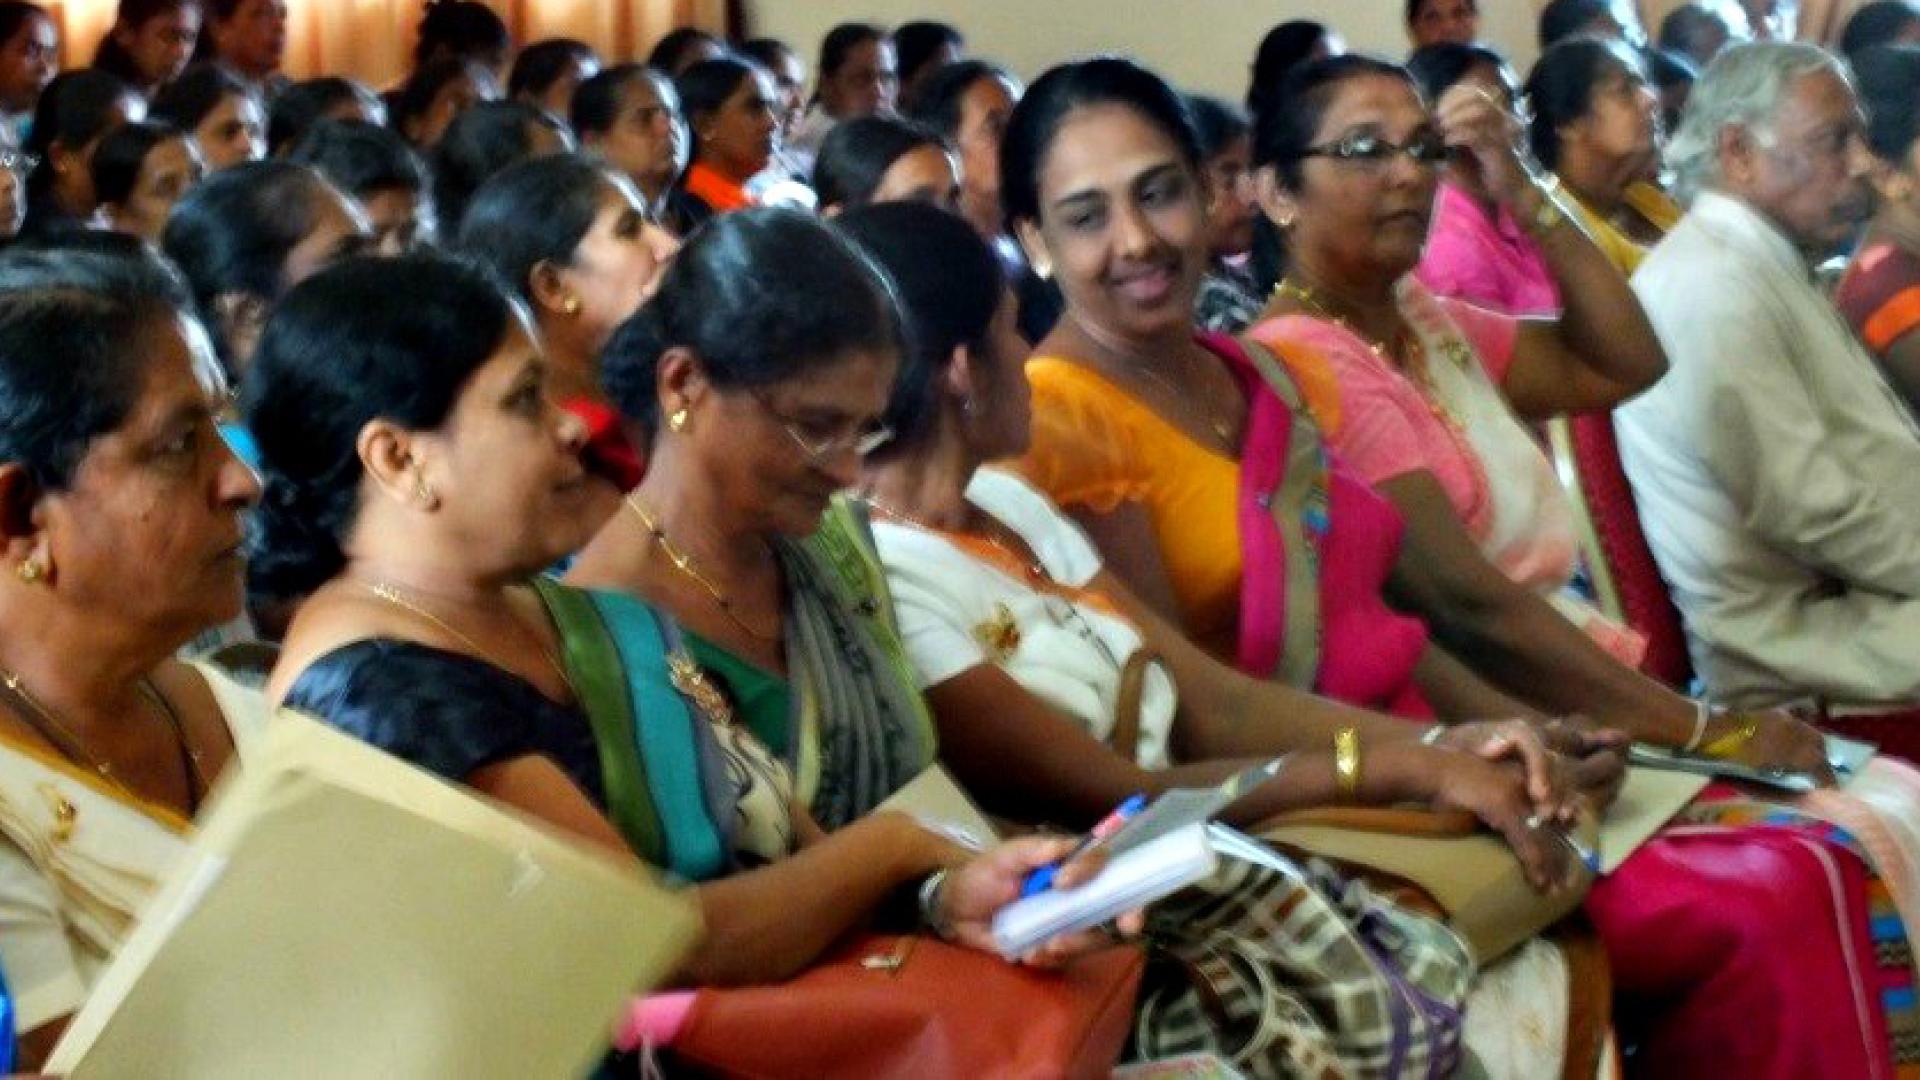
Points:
(1199, 44)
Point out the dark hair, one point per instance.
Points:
(1668, 69)
(672, 50)
(73, 348)
(542, 63)
(1560, 88)
(947, 283)
(15, 14)
(840, 43)
(767, 51)
(1681, 30)
(1103, 80)
(915, 44)
(1888, 77)
(463, 29)
(1878, 23)
(300, 106)
(1285, 47)
(1414, 8)
(1217, 122)
(1437, 68)
(119, 157)
(75, 109)
(485, 139)
(857, 154)
(596, 102)
(112, 56)
(417, 95)
(760, 296)
(198, 91)
(233, 232)
(365, 339)
(1284, 130)
(942, 96)
(533, 212)
(1562, 19)
(706, 86)
(361, 158)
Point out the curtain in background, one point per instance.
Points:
(372, 40)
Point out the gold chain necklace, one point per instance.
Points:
(684, 563)
(1032, 566)
(1414, 364)
(73, 748)
(391, 594)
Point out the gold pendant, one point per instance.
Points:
(999, 635)
(693, 684)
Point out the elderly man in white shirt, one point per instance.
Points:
(1777, 475)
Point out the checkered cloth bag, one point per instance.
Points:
(1297, 972)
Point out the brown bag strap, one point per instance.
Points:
(1300, 653)
(1125, 739)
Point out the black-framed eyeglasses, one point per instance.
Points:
(860, 443)
(1374, 151)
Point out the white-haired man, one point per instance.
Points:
(1778, 477)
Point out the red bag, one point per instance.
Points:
(890, 1006)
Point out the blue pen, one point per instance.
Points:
(1039, 881)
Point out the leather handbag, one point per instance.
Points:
(916, 1007)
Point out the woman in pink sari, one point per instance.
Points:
(1421, 395)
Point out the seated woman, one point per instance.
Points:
(872, 159)
(546, 73)
(1596, 125)
(139, 172)
(572, 237)
(630, 115)
(294, 111)
(375, 166)
(1428, 389)
(77, 110)
(245, 236)
(220, 111)
(122, 541)
(482, 141)
(1229, 299)
(417, 504)
(435, 95)
(1191, 498)
(1877, 294)
(732, 108)
(150, 42)
(1477, 250)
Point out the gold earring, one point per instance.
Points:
(32, 572)
(1044, 271)
(423, 494)
(570, 306)
(678, 421)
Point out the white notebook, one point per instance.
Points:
(1132, 880)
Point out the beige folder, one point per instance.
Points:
(343, 914)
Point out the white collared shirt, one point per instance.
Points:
(1777, 475)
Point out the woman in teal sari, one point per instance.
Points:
(420, 477)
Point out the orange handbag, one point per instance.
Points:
(911, 1006)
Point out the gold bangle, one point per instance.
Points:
(1346, 761)
(1729, 744)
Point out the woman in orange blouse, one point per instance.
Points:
(733, 108)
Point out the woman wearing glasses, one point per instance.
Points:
(1427, 389)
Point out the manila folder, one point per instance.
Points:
(341, 913)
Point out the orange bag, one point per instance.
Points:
(915, 1007)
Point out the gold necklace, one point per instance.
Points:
(1221, 428)
(1033, 566)
(684, 563)
(391, 594)
(73, 748)
(1414, 364)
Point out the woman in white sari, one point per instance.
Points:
(120, 537)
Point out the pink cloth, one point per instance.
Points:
(654, 1020)
(1368, 651)
(1743, 952)
(1387, 428)
(1486, 260)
